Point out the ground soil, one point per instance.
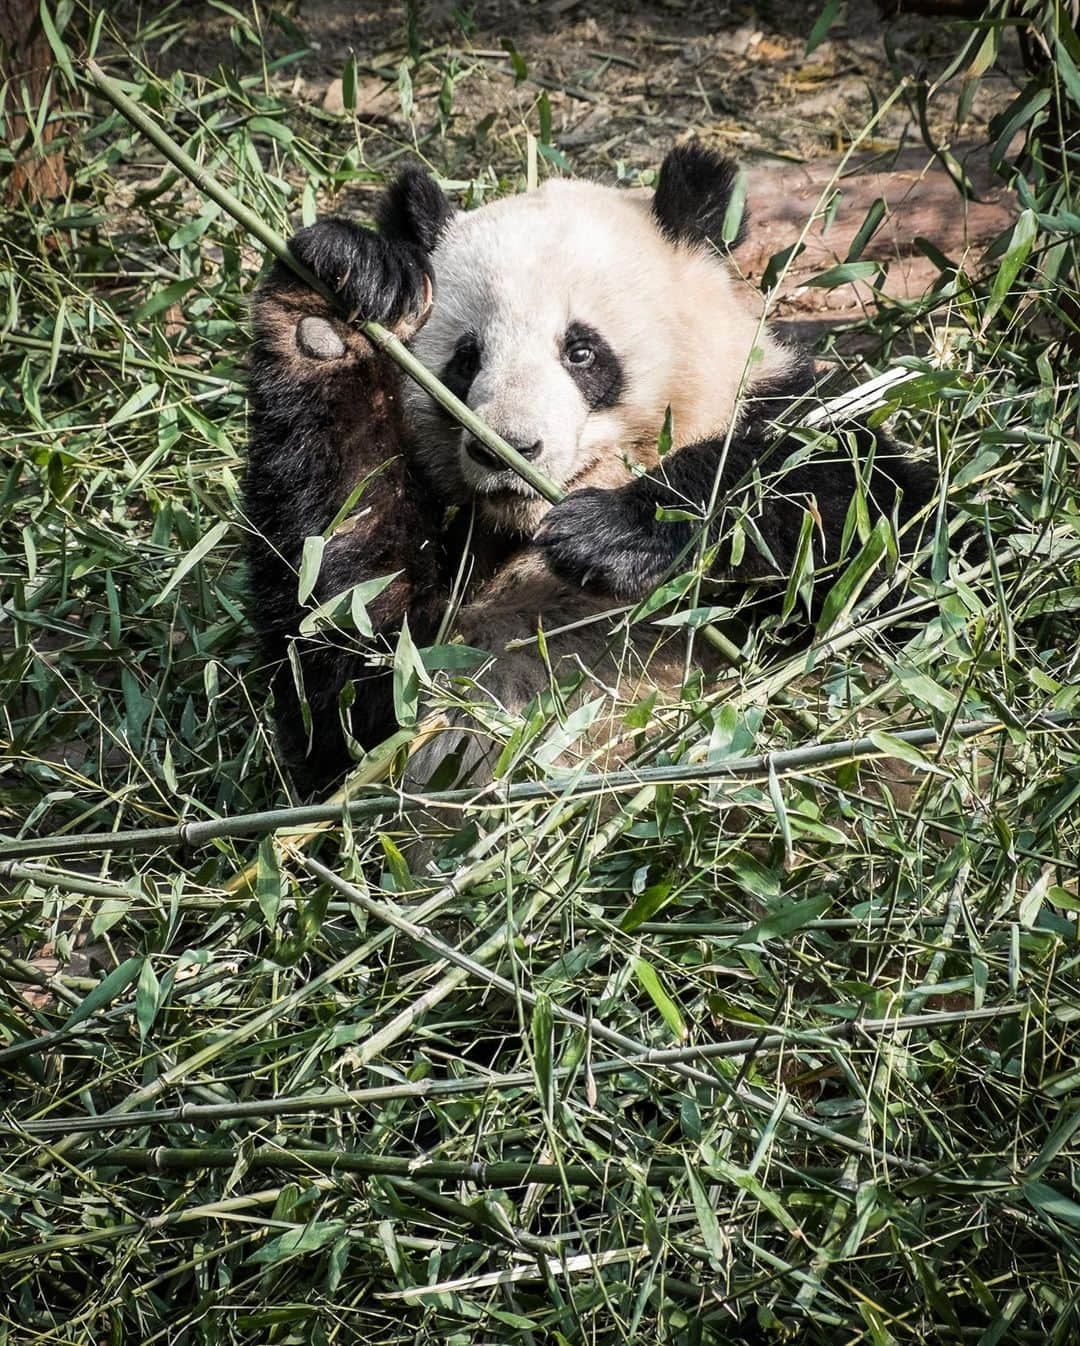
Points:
(622, 82)
(622, 85)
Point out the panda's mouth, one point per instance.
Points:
(489, 477)
(479, 454)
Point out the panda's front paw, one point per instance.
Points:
(609, 541)
(377, 278)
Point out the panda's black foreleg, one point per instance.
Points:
(619, 541)
(327, 458)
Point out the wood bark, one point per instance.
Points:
(25, 63)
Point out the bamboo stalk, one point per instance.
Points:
(807, 757)
(120, 357)
(500, 1173)
(276, 244)
(70, 883)
(766, 1038)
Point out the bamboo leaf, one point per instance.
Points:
(147, 998)
(309, 1238)
(900, 751)
(824, 21)
(649, 979)
(163, 299)
(786, 919)
(399, 869)
(1023, 237)
(106, 991)
(736, 208)
(517, 61)
(56, 42)
(310, 565)
(202, 549)
(874, 215)
(347, 610)
(139, 399)
(652, 900)
(844, 274)
(542, 1030)
(1053, 1205)
(842, 597)
(707, 1222)
(801, 579)
(1066, 68)
(269, 881)
(408, 674)
(349, 83)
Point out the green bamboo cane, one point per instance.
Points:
(807, 757)
(120, 357)
(496, 1173)
(273, 241)
(499, 1173)
(765, 1038)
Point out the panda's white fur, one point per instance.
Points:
(517, 273)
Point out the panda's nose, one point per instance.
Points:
(482, 455)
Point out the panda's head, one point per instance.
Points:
(569, 319)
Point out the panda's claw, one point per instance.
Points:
(601, 540)
(378, 279)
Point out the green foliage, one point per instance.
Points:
(701, 1053)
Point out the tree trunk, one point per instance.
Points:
(25, 64)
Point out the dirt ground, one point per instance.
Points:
(466, 86)
(622, 82)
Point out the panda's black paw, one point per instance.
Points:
(609, 541)
(377, 278)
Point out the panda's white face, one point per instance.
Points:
(568, 322)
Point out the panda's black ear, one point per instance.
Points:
(693, 194)
(414, 209)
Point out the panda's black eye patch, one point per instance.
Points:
(463, 365)
(593, 366)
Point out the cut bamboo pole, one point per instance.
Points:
(501, 1173)
(328, 1101)
(305, 816)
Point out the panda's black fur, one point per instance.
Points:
(692, 197)
(328, 411)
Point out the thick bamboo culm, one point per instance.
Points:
(806, 757)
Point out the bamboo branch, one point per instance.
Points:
(501, 1173)
(273, 242)
(807, 757)
(765, 1038)
(120, 357)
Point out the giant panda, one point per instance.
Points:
(570, 318)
